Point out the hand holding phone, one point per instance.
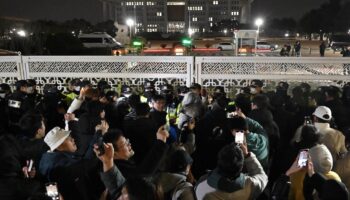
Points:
(52, 191)
(239, 137)
(303, 158)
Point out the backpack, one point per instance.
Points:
(175, 193)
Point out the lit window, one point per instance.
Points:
(194, 19)
(210, 19)
(211, 24)
(215, 2)
(159, 14)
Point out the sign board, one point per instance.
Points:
(246, 34)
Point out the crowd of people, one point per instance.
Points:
(93, 142)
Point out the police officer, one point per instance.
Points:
(5, 90)
(148, 92)
(73, 90)
(18, 102)
(171, 105)
(33, 94)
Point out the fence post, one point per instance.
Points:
(20, 66)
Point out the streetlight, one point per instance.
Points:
(258, 23)
(21, 33)
(130, 23)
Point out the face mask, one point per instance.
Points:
(2, 95)
(77, 89)
(30, 90)
(253, 90)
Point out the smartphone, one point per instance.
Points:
(30, 165)
(100, 146)
(52, 191)
(239, 137)
(307, 120)
(303, 157)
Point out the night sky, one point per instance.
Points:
(91, 10)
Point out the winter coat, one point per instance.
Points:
(74, 175)
(246, 186)
(176, 186)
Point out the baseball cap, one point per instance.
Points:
(56, 137)
(323, 112)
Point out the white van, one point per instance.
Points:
(99, 40)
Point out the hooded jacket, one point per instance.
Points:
(176, 184)
(245, 186)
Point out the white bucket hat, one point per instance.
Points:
(56, 137)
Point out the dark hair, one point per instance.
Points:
(179, 161)
(261, 101)
(85, 83)
(256, 82)
(110, 95)
(333, 91)
(30, 123)
(237, 123)
(309, 136)
(230, 161)
(243, 102)
(133, 100)
(21, 83)
(142, 189)
(112, 136)
(75, 82)
(31, 82)
(94, 108)
(142, 109)
(195, 86)
(158, 98)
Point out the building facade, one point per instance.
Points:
(176, 15)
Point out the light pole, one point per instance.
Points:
(258, 23)
(130, 23)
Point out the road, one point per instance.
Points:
(309, 48)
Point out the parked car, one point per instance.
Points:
(266, 45)
(338, 42)
(99, 40)
(224, 46)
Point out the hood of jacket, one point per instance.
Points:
(321, 158)
(170, 180)
(219, 182)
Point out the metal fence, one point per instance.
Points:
(230, 72)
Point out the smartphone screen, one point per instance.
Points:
(51, 190)
(303, 157)
(239, 137)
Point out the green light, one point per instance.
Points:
(187, 42)
(137, 43)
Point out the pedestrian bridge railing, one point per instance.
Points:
(230, 72)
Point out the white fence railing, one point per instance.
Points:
(130, 70)
(230, 72)
(233, 72)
